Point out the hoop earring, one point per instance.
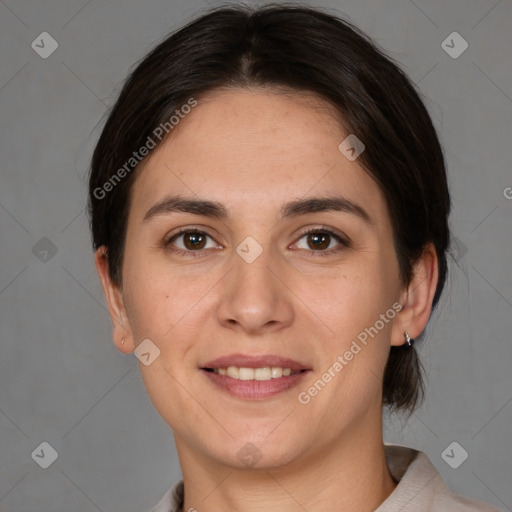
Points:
(408, 340)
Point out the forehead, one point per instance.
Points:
(247, 148)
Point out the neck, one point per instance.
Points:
(349, 473)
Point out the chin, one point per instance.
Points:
(249, 453)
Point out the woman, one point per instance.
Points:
(269, 209)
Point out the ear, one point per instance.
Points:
(416, 299)
(115, 303)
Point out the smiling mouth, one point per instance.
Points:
(260, 374)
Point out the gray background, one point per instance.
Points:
(61, 378)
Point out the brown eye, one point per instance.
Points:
(322, 242)
(318, 241)
(193, 240)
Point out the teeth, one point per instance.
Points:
(265, 373)
(276, 372)
(233, 372)
(249, 373)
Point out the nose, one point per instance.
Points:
(255, 298)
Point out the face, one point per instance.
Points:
(276, 275)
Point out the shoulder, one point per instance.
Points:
(420, 486)
(172, 500)
(460, 504)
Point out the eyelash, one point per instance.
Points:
(323, 230)
(344, 243)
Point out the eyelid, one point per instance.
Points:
(187, 229)
(190, 229)
(342, 238)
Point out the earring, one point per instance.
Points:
(408, 340)
(122, 341)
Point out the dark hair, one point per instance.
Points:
(301, 49)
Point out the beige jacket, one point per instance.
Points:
(420, 488)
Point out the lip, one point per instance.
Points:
(254, 389)
(249, 361)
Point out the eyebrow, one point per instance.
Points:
(289, 210)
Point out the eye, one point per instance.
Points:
(322, 241)
(193, 242)
(188, 241)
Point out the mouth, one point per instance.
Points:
(264, 373)
(254, 377)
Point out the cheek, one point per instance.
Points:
(152, 306)
(161, 300)
(351, 297)
(149, 299)
(355, 310)
(351, 305)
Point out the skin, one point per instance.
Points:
(253, 150)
